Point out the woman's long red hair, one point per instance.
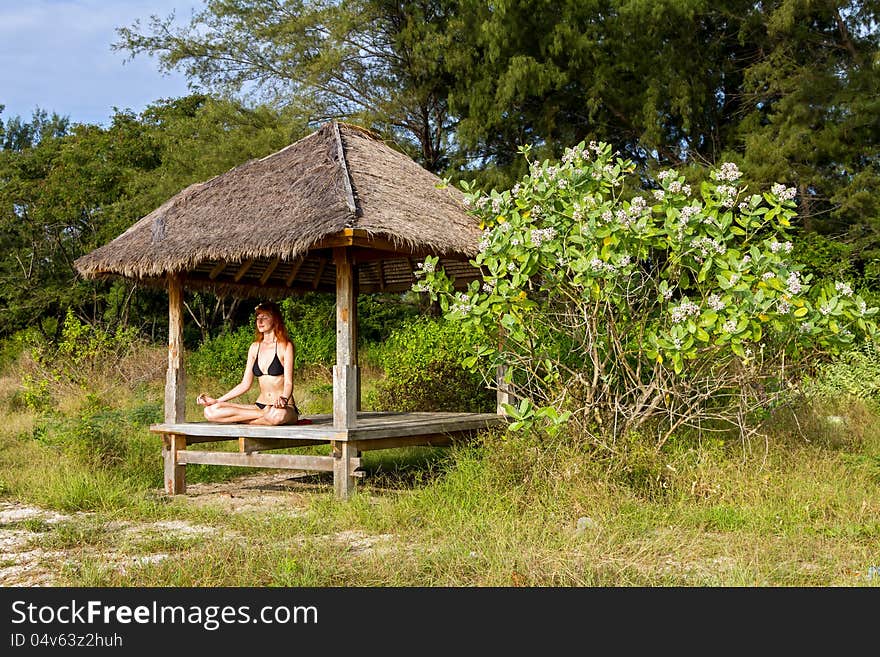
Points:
(280, 328)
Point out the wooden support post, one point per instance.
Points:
(175, 380)
(502, 395)
(345, 454)
(345, 372)
(175, 474)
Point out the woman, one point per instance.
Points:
(270, 360)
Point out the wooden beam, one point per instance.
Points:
(218, 269)
(294, 271)
(346, 178)
(281, 461)
(426, 440)
(243, 269)
(345, 375)
(175, 379)
(269, 269)
(381, 271)
(502, 395)
(321, 265)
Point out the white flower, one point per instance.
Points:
(729, 171)
(782, 192)
(843, 288)
(541, 235)
(715, 302)
(776, 247)
(683, 310)
(794, 283)
(729, 326)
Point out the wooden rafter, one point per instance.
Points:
(247, 264)
(293, 272)
(321, 264)
(218, 269)
(269, 270)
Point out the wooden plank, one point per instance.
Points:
(451, 426)
(371, 425)
(175, 379)
(175, 472)
(279, 461)
(426, 440)
(218, 431)
(269, 269)
(248, 445)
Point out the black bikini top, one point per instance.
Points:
(275, 367)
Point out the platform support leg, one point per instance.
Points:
(343, 473)
(175, 474)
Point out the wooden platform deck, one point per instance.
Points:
(373, 430)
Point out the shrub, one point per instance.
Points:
(665, 309)
(85, 355)
(853, 373)
(424, 372)
(223, 357)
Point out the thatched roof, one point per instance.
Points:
(269, 226)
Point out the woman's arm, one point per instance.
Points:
(287, 391)
(247, 380)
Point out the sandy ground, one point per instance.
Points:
(26, 560)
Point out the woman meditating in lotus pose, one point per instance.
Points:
(270, 360)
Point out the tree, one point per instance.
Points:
(788, 89)
(376, 61)
(67, 191)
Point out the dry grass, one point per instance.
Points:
(800, 509)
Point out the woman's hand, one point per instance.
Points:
(204, 400)
(281, 402)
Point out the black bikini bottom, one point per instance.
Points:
(262, 406)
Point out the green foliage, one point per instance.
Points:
(105, 450)
(854, 373)
(623, 310)
(83, 352)
(311, 322)
(72, 190)
(424, 372)
(380, 314)
(222, 357)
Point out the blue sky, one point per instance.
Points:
(55, 54)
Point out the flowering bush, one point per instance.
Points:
(673, 306)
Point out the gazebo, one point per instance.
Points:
(338, 210)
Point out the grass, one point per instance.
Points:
(799, 510)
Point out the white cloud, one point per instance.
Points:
(56, 55)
